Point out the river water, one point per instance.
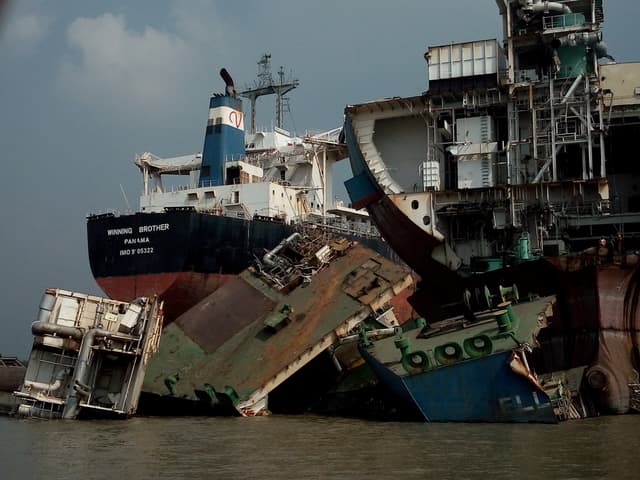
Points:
(310, 447)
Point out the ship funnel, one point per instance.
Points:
(231, 89)
(224, 135)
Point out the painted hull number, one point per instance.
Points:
(136, 251)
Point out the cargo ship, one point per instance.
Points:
(517, 167)
(246, 192)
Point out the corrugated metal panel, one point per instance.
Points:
(464, 59)
(475, 130)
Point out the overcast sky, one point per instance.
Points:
(87, 84)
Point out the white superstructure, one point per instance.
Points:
(282, 176)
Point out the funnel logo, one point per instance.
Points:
(223, 115)
(235, 118)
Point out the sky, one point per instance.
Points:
(85, 85)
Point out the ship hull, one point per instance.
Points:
(179, 290)
(182, 256)
(479, 390)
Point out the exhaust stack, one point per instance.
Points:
(224, 135)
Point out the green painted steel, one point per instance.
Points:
(504, 322)
(478, 346)
(416, 361)
(448, 353)
(279, 318)
(523, 251)
(175, 353)
(573, 61)
(475, 340)
(413, 362)
(568, 20)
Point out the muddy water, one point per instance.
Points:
(302, 447)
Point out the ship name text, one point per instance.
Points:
(161, 227)
(120, 231)
(143, 241)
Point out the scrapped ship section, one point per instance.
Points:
(474, 371)
(89, 356)
(302, 303)
(512, 152)
(516, 167)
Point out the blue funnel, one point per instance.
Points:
(224, 137)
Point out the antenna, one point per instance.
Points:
(126, 200)
(266, 85)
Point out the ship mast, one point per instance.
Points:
(266, 85)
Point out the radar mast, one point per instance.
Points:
(266, 85)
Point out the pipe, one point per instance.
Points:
(588, 39)
(334, 359)
(572, 89)
(543, 169)
(46, 306)
(546, 7)
(46, 328)
(375, 334)
(49, 387)
(81, 369)
(269, 256)
(557, 63)
(529, 8)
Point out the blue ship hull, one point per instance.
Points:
(479, 390)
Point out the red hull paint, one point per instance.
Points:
(179, 291)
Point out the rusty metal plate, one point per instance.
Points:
(238, 350)
(222, 314)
